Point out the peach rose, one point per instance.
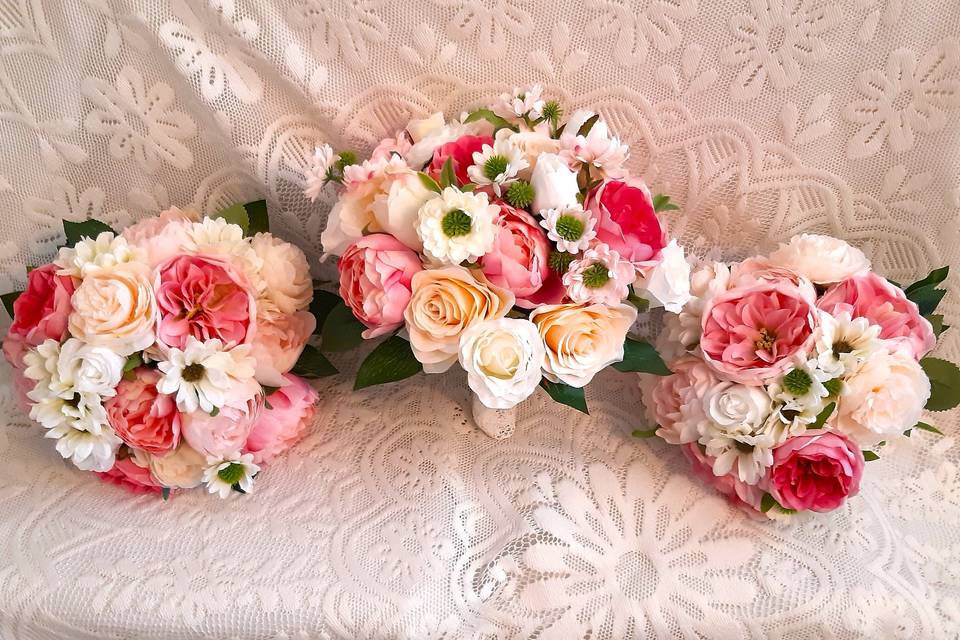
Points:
(286, 415)
(445, 303)
(115, 308)
(143, 417)
(278, 344)
(180, 469)
(285, 273)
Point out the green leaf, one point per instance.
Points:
(468, 188)
(8, 300)
(934, 278)
(767, 502)
(640, 356)
(391, 361)
(588, 125)
(944, 384)
(341, 331)
(927, 299)
(936, 321)
(823, 416)
(322, 304)
(236, 214)
(129, 367)
(236, 487)
(257, 214)
(429, 182)
(638, 433)
(923, 426)
(165, 493)
(447, 176)
(642, 304)
(661, 202)
(76, 231)
(313, 364)
(565, 394)
(488, 115)
(870, 456)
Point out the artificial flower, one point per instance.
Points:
(161, 237)
(732, 407)
(675, 402)
(554, 184)
(286, 274)
(502, 359)
(233, 469)
(224, 431)
(41, 312)
(115, 308)
(519, 258)
(667, 284)
(596, 149)
(317, 174)
(128, 474)
(180, 469)
(843, 342)
(627, 222)
(89, 254)
(88, 450)
(457, 226)
(738, 492)
(496, 165)
(285, 416)
(745, 454)
(143, 417)
(278, 343)
(599, 275)
(204, 375)
(820, 259)
(816, 471)
(460, 153)
(521, 103)
(572, 229)
(530, 145)
(396, 209)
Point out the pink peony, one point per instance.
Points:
(739, 493)
(519, 259)
(627, 223)
(751, 334)
(128, 474)
(461, 152)
(279, 343)
(39, 313)
(223, 433)
(143, 417)
(283, 423)
(375, 276)
(203, 297)
(874, 298)
(161, 237)
(815, 471)
(674, 402)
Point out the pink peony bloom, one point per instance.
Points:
(674, 402)
(279, 343)
(627, 223)
(161, 237)
(223, 433)
(143, 417)
(375, 276)
(874, 298)
(284, 422)
(128, 474)
(519, 259)
(41, 312)
(739, 493)
(815, 471)
(461, 152)
(751, 334)
(203, 297)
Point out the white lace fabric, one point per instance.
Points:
(396, 518)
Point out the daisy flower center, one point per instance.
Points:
(797, 382)
(841, 347)
(193, 372)
(232, 473)
(494, 167)
(766, 340)
(569, 228)
(596, 275)
(456, 223)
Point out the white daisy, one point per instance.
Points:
(571, 228)
(67, 384)
(599, 275)
(497, 165)
(803, 387)
(89, 451)
(89, 254)
(457, 226)
(41, 366)
(223, 473)
(522, 102)
(317, 174)
(843, 342)
(202, 374)
(747, 454)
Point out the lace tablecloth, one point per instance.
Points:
(395, 518)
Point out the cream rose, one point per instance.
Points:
(581, 339)
(883, 398)
(502, 359)
(115, 308)
(86, 368)
(737, 408)
(179, 469)
(554, 184)
(668, 283)
(278, 344)
(820, 259)
(396, 210)
(444, 303)
(530, 144)
(285, 273)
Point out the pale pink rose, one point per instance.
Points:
(874, 298)
(161, 237)
(751, 334)
(223, 433)
(399, 144)
(141, 416)
(674, 402)
(376, 273)
(519, 259)
(41, 312)
(758, 270)
(815, 471)
(460, 152)
(203, 297)
(284, 419)
(739, 493)
(128, 474)
(627, 223)
(278, 344)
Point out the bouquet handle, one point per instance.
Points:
(496, 423)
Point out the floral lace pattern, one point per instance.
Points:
(395, 518)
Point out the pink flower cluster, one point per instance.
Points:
(787, 368)
(160, 358)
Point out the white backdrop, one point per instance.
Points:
(395, 519)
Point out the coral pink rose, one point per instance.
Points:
(40, 312)
(223, 433)
(279, 343)
(128, 474)
(751, 334)
(519, 259)
(815, 471)
(205, 298)
(874, 298)
(627, 223)
(739, 493)
(460, 151)
(282, 423)
(143, 417)
(161, 237)
(375, 276)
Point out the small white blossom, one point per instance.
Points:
(596, 149)
(599, 275)
(457, 226)
(496, 165)
(747, 454)
(843, 342)
(223, 473)
(88, 254)
(522, 102)
(89, 451)
(316, 174)
(572, 220)
(202, 374)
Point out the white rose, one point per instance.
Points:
(89, 369)
(502, 359)
(422, 127)
(180, 469)
(396, 210)
(821, 259)
(883, 398)
(554, 184)
(737, 408)
(581, 339)
(709, 280)
(285, 274)
(668, 283)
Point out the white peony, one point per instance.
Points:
(457, 226)
(599, 275)
(496, 165)
(89, 254)
(205, 376)
(736, 408)
(820, 259)
(223, 473)
(843, 342)
(571, 228)
(554, 184)
(285, 274)
(89, 451)
(502, 359)
(883, 398)
(396, 210)
(668, 283)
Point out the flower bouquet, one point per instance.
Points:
(793, 369)
(510, 240)
(166, 356)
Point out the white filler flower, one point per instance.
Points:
(89, 254)
(599, 275)
(222, 474)
(203, 374)
(496, 165)
(317, 173)
(457, 226)
(502, 359)
(571, 228)
(668, 283)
